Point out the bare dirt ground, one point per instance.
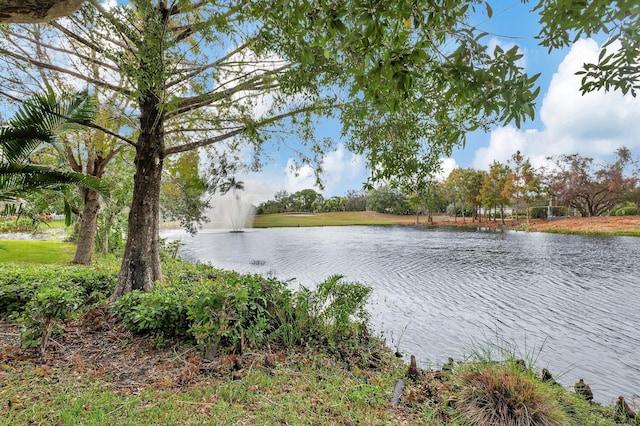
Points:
(98, 344)
(590, 224)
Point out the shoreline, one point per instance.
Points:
(601, 225)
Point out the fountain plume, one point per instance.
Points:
(229, 210)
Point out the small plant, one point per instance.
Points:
(342, 304)
(161, 312)
(505, 394)
(49, 305)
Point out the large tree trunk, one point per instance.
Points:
(88, 226)
(17, 11)
(141, 261)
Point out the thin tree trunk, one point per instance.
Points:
(88, 226)
(141, 261)
(105, 242)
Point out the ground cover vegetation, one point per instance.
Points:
(218, 346)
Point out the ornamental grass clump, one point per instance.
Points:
(503, 394)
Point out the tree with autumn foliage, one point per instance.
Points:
(492, 194)
(523, 184)
(593, 190)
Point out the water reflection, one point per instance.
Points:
(569, 301)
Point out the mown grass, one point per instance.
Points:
(43, 252)
(617, 233)
(329, 219)
(304, 391)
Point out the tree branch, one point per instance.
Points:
(83, 58)
(253, 84)
(67, 72)
(203, 68)
(254, 125)
(110, 133)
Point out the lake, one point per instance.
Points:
(570, 303)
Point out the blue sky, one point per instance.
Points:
(566, 122)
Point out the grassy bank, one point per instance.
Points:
(302, 389)
(329, 219)
(615, 233)
(604, 226)
(43, 252)
(217, 347)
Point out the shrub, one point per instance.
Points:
(212, 307)
(228, 311)
(161, 312)
(626, 211)
(538, 212)
(217, 312)
(18, 283)
(48, 305)
(342, 304)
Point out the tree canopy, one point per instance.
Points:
(618, 67)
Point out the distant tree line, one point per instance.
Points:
(573, 184)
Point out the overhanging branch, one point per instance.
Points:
(254, 125)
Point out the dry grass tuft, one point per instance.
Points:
(502, 395)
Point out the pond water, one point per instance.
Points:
(570, 303)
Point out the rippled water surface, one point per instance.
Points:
(570, 302)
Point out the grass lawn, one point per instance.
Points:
(330, 219)
(28, 251)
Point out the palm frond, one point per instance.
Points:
(16, 143)
(40, 119)
(16, 179)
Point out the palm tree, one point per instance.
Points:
(36, 124)
(231, 184)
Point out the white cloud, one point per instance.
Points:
(594, 125)
(341, 166)
(446, 166)
(341, 171)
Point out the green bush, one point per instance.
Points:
(210, 306)
(538, 212)
(18, 283)
(50, 303)
(341, 303)
(626, 211)
(160, 312)
(228, 311)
